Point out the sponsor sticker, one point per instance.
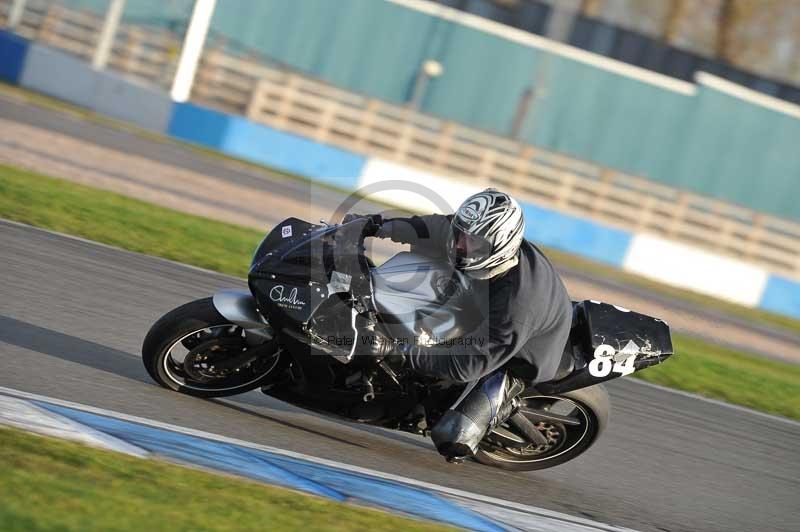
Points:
(286, 299)
(340, 282)
(286, 231)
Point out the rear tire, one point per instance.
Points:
(591, 405)
(198, 322)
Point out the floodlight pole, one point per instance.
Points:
(192, 48)
(15, 13)
(106, 41)
(430, 69)
(559, 25)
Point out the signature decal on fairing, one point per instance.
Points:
(607, 359)
(287, 301)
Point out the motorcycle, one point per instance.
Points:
(314, 297)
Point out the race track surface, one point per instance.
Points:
(73, 315)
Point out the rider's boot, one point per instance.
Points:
(479, 409)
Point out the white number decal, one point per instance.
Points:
(603, 364)
(626, 366)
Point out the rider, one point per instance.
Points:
(528, 313)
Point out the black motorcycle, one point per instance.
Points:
(316, 300)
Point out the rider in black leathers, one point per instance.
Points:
(528, 313)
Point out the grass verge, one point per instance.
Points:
(124, 222)
(733, 376)
(700, 367)
(557, 256)
(49, 484)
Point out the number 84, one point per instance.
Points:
(603, 363)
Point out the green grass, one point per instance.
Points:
(557, 256)
(124, 222)
(701, 367)
(49, 484)
(733, 376)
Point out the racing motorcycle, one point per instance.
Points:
(314, 296)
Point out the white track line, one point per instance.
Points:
(535, 512)
(24, 415)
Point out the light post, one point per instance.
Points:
(15, 14)
(429, 69)
(106, 41)
(559, 26)
(192, 48)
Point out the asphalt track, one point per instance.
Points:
(73, 314)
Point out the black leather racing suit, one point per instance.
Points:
(528, 312)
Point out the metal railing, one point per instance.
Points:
(289, 101)
(147, 53)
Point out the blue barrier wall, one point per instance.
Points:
(576, 235)
(258, 143)
(13, 50)
(198, 125)
(782, 296)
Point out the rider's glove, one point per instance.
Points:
(397, 358)
(350, 216)
(372, 223)
(390, 351)
(380, 346)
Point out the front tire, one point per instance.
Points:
(187, 347)
(590, 406)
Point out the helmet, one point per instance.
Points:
(486, 233)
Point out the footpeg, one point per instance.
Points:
(369, 394)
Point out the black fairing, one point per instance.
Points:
(291, 271)
(596, 324)
(615, 326)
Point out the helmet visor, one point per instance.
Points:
(467, 249)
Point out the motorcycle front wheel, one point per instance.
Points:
(194, 350)
(569, 423)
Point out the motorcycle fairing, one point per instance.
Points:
(626, 331)
(417, 297)
(298, 265)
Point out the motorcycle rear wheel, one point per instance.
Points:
(507, 448)
(186, 350)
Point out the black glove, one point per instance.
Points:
(386, 349)
(372, 223)
(350, 216)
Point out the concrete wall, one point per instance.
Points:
(132, 101)
(58, 74)
(698, 270)
(67, 77)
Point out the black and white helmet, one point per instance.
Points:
(486, 232)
